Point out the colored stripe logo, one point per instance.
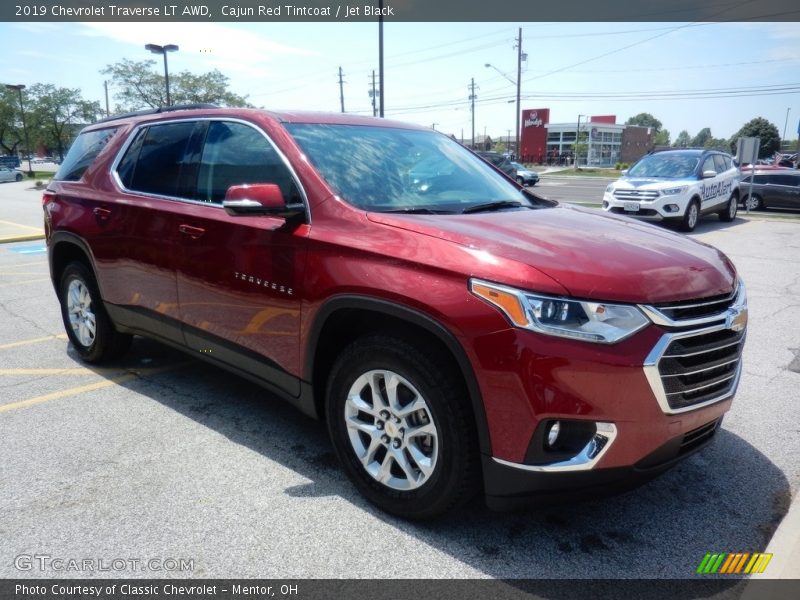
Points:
(731, 563)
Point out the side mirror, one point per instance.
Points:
(259, 199)
(709, 174)
(624, 172)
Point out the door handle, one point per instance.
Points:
(192, 232)
(101, 213)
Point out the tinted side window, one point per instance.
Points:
(83, 152)
(728, 162)
(127, 166)
(719, 162)
(234, 154)
(782, 180)
(163, 153)
(758, 179)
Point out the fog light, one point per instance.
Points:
(671, 208)
(552, 433)
(605, 204)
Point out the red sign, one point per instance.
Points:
(533, 144)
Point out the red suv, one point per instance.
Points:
(458, 333)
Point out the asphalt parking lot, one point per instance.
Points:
(161, 457)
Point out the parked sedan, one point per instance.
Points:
(773, 188)
(524, 175)
(7, 174)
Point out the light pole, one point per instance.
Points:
(433, 126)
(156, 49)
(785, 123)
(518, 83)
(19, 87)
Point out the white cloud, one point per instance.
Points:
(202, 45)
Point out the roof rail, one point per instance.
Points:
(160, 109)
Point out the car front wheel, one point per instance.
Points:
(691, 217)
(398, 418)
(754, 202)
(728, 214)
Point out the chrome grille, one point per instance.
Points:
(692, 309)
(636, 195)
(695, 368)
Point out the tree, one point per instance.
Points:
(699, 141)
(661, 138)
(645, 120)
(683, 140)
(10, 123)
(57, 114)
(137, 84)
(761, 128)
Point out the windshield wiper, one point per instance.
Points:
(496, 205)
(418, 211)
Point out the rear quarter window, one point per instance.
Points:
(83, 152)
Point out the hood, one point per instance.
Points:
(592, 255)
(651, 182)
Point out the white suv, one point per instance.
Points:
(677, 185)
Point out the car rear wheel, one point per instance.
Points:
(397, 415)
(86, 321)
(520, 181)
(18, 177)
(728, 214)
(691, 217)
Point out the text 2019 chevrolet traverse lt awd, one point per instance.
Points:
(457, 333)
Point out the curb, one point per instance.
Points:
(22, 238)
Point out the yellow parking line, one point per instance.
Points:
(60, 336)
(81, 389)
(77, 371)
(19, 266)
(24, 282)
(64, 371)
(20, 225)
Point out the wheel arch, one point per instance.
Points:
(64, 248)
(344, 318)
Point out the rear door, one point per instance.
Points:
(239, 277)
(135, 253)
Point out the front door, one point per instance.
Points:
(239, 276)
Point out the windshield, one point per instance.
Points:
(399, 170)
(671, 166)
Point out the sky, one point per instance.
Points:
(688, 75)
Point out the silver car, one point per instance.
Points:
(7, 174)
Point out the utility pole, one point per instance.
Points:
(105, 85)
(519, 83)
(577, 141)
(341, 88)
(372, 95)
(472, 98)
(380, 53)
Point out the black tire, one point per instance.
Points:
(757, 202)
(691, 217)
(728, 213)
(18, 177)
(106, 343)
(453, 478)
(520, 181)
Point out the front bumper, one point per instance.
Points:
(529, 380)
(508, 487)
(660, 208)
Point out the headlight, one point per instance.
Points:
(609, 188)
(674, 191)
(599, 322)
